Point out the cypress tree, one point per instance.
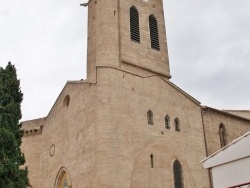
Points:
(12, 173)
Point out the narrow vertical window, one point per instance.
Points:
(178, 174)
(150, 117)
(154, 36)
(167, 122)
(66, 101)
(134, 24)
(222, 134)
(177, 124)
(152, 160)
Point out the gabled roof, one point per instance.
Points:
(182, 91)
(236, 150)
(162, 77)
(225, 112)
(242, 113)
(82, 81)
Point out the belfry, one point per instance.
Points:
(127, 125)
(131, 39)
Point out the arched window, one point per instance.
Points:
(167, 122)
(134, 24)
(63, 179)
(152, 160)
(154, 36)
(150, 117)
(222, 133)
(177, 124)
(66, 101)
(178, 174)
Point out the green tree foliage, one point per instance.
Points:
(12, 174)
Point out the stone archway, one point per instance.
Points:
(63, 179)
(153, 167)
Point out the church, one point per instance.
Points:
(127, 125)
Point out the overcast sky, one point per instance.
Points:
(208, 43)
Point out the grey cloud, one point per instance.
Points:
(209, 47)
(208, 44)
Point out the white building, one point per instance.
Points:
(230, 165)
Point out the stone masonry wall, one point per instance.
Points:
(125, 140)
(235, 127)
(141, 54)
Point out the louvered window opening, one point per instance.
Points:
(154, 36)
(134, 25)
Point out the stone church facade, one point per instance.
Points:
(127, 125)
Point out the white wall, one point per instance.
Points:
(232, 173)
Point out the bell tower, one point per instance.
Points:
(129, 35)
